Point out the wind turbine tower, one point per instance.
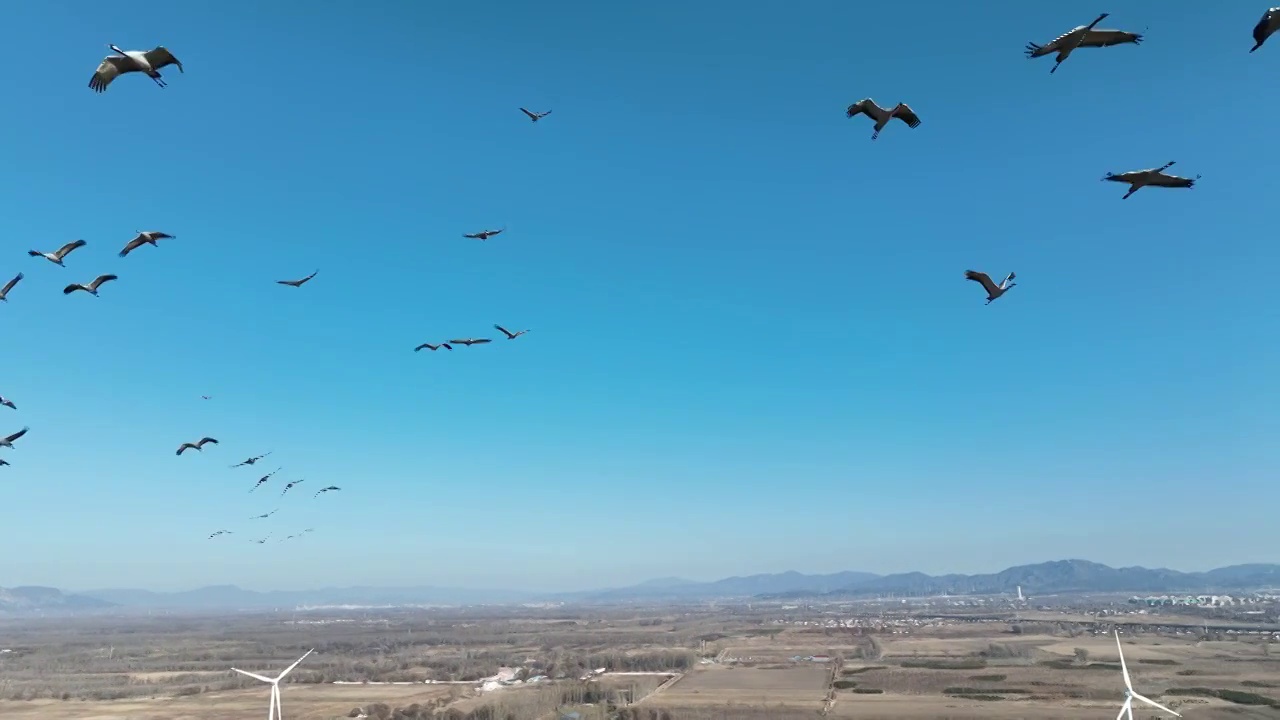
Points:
(274, 711)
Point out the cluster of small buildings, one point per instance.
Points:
(508, 677)
(1203, 600)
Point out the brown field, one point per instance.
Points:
(718, 685)
(893, 667)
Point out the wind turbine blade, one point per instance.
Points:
(1123, 708)
(1128, 706)
(255, 676)
(275, 698)
(294, 665)
(1153, 703)
(1123, 668)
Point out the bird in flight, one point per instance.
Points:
(144, 237)
(286, 487)
(327, 489)
(56, 257)
(197, 445)
(221, 532)
(149, 62)
(263, 540)
(433, 348)
(993, 291)
(7, 403)
(1155, 177)
(510, 335)
(265, 515)
(535, 116)
(4, 291)
(3, 462)
(251, 460)
(882, 116)
(484, 234)
(206, 397)
(297, 283)
(263, 479)
(91, 288)
(8, 441)
(470, 341)
(1078, 37)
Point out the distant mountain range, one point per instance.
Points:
(1062, 576)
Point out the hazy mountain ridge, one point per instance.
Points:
(1061, 576)
(35, 599)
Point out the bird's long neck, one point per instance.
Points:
(116, 49)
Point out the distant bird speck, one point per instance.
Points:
(470, 341)
(325, 490)
(433, 348)
(251, 460)
(484, 234)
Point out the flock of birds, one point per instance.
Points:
(1081, 36)
(150, 62)
(252, 460)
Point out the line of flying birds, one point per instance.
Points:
(199, 446)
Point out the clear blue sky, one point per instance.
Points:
(752, 345)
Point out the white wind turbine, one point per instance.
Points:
(1129, 693)
(274, 711)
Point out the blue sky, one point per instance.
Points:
(752, 345)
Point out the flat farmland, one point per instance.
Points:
(799, 686)
(300, 702)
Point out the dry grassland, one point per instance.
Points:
(300, 702)
(177, 669)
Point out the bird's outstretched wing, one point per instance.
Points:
(9, 285)
(206, 440)
(185, 446)
(132, 245)
(73, 287)
(65, 250)
(503, 330)
(981, 277)
(907, 115)
(858, 107)
(109, 69)
(17, 435)
(160, 56)
(98, 281)
(531, 115)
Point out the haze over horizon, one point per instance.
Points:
(752, 348)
